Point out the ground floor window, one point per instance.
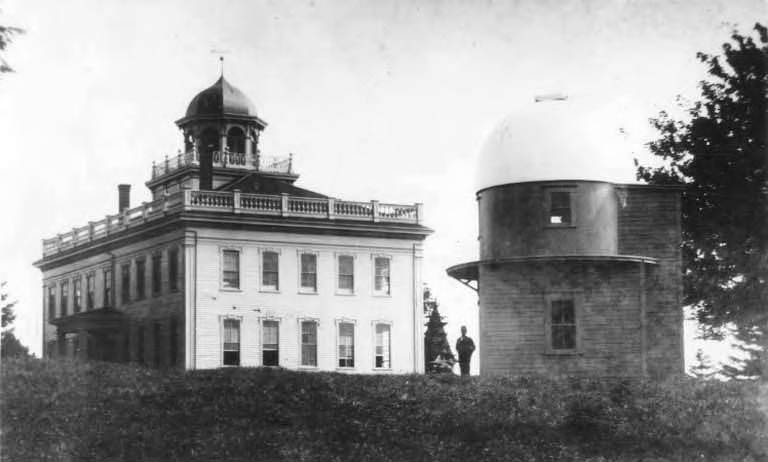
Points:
(309, 343)
(231, 342)
(562, 325)
(346, 344)
(271, 344)
(382, 359)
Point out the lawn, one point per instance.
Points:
(75, 411)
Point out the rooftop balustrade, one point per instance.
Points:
(224, 159)
(234, 203)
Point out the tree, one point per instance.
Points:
(719, 154)
(10, 346)
(7, 34)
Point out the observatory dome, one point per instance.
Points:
(556, 139)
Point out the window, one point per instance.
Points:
(64, 297)
(90, 288)
(107, 287)
(230, 277)
(346, 344)
(271, 343)
(125, 283)
(51, 302)
(381, 277)
(560, 208)
(157, 277)
(231, 342)
(346, 283)
(141, 273)
(308, 343)
(309, 272)
(382, 359)
(77, 294)
(173, 269)
(270, 279)
(140, 344)
(156, 338)
(173, 351)
(562, 325)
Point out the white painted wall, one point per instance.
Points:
(209, 303)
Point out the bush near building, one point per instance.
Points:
(101, 411)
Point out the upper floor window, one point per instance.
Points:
(271, 343)
(90, 290)
(107, 287)
(346, 343)
(141, 275)
(157, 277)
(51, 301)
(173, 269)
(346, 282)
(231, 347)
(309, 343)
(125, 283)
(381, 276)
(309, 272)
(382, 358)
(77, 294)
(560, 208)
(270, 270)
(562, 324)
(230, 277)
(236, 140)
(64, 297)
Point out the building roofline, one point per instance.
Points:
(671, 187)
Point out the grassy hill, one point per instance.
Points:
(97, 411)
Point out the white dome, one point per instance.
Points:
(556, 140)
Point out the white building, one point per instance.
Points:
(231, 264)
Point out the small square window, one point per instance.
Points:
(560, 208)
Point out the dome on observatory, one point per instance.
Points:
(555, 138)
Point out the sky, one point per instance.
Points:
(388, 100)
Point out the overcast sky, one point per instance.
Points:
(386, 100)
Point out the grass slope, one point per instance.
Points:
(99, 411)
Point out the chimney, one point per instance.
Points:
(124, 197)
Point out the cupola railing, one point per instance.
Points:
(226, 159)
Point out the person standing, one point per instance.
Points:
(464, 346)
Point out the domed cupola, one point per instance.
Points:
(221, 130)
(221, 98)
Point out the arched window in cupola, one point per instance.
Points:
(236, 140)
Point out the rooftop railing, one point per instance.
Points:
(235, 203)
(224, 159)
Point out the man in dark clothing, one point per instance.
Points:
(464, 346)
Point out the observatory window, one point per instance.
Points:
(309, 343)
(271, 344)
(230, 277)
(382, 357)
(562, 325)
(346, 344)
(346, 274)
(270, 279)
(559, 208)
(231, 347)
(308, 272)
